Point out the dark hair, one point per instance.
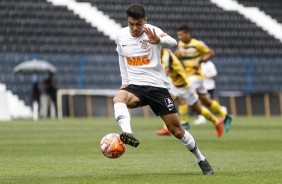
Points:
(136, 11)
(184, 28)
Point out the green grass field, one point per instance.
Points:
(67, 151)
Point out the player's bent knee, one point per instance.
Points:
(205, 99)
(117, 99)
(176, 132)
(196, 107)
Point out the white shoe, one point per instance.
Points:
(224, 109)
(200, 120)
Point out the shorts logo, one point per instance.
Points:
(144, 45)
(169, 103)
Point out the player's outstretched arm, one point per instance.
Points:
(207, 56)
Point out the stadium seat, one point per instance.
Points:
(37, 29)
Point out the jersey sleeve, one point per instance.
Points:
(202, 47)
(118, 48)
(123, 70)
(165, 40)
(122, 66)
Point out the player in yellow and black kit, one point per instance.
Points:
(192, 52)
(182, 92)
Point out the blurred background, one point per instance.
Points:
(77, 38)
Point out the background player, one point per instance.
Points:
(192, 53)
(144, 80)
(180, 88)
(210, 73)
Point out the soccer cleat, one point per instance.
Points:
(206, 167)
(163, 131)
(186, 125)
(227, 123)
(219, 128)
(128, 138)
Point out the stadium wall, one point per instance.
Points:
(94, 103)
(247, 75)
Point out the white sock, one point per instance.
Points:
(123, 117)
(190, 144)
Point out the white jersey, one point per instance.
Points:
(140, 61)
(209, 70)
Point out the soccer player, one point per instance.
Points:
(180, 88)
(144, 80)
(192, 53)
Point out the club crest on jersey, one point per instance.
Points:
(169, 103)
(144, 45)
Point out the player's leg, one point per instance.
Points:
(164, 131)
(192, 100)
(183, 112)
(173, 124)
(213, 104)
(201, 119)
(183, 115)
(175, 94)
(218, 124)
(228, 118)
(216, 108)
(162, 105)
(196, 82)
(204, 97)
(122, 101)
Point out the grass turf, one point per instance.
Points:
(67, 151)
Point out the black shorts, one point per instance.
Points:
(157, 98)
